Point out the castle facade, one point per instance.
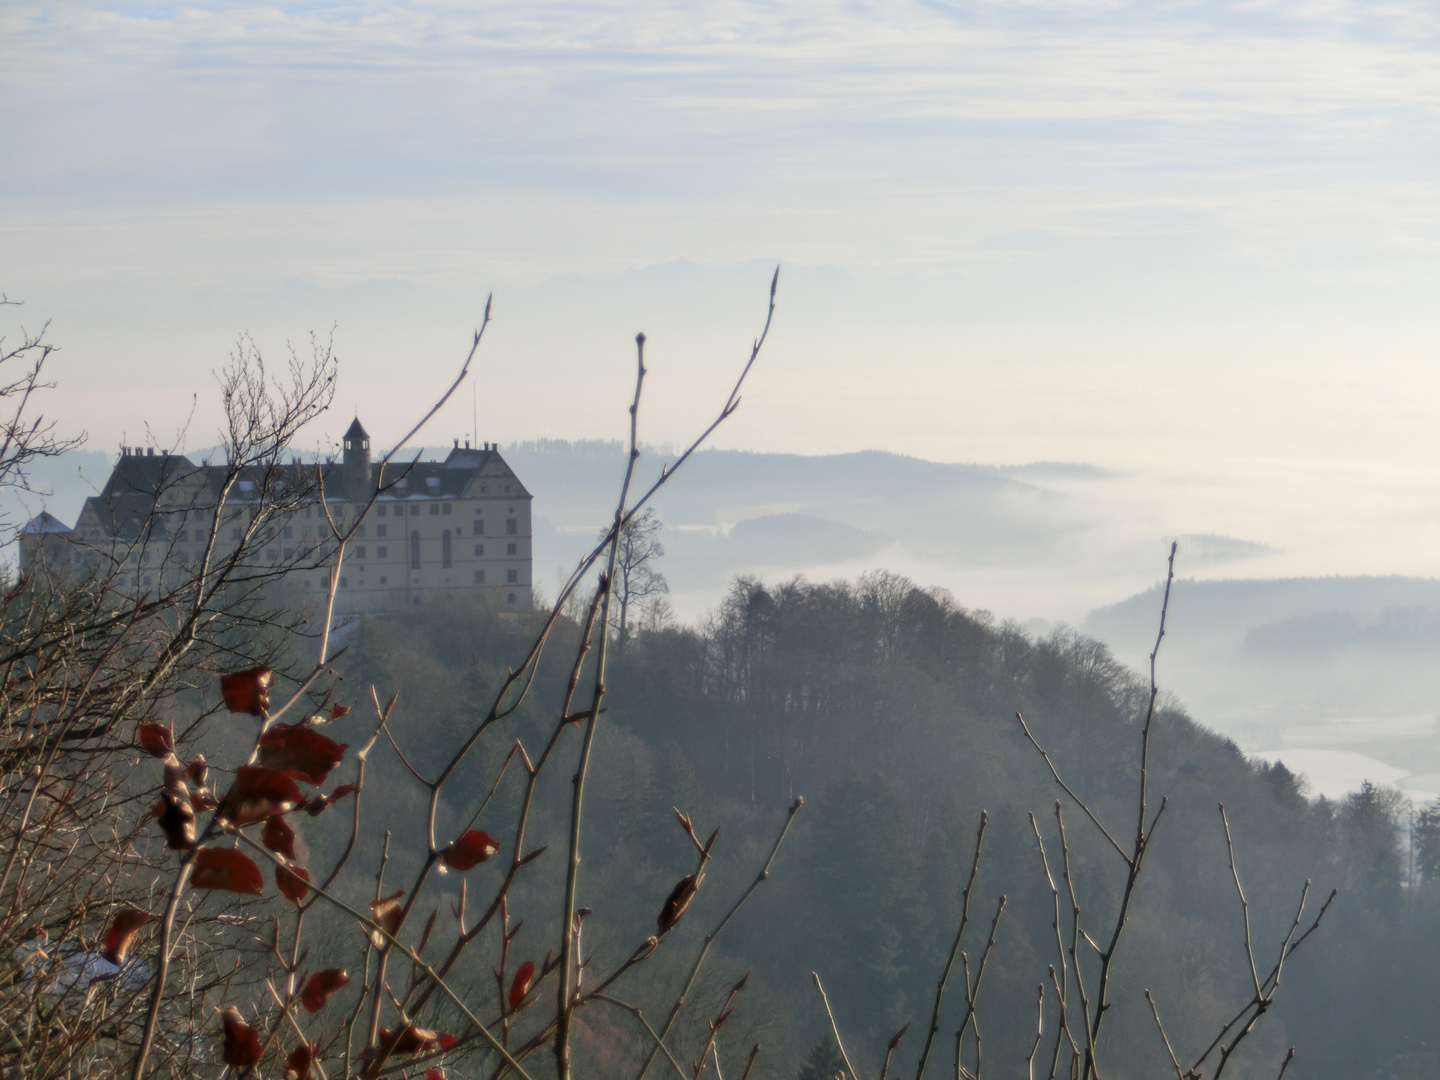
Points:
(459, 527)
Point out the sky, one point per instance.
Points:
(1196, 244)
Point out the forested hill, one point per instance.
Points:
(891, 709)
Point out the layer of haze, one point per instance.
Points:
(1196, 245)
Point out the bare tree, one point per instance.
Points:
(25, 434)
(638, 584)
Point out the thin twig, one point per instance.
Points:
(834, 1029)
(954, 947)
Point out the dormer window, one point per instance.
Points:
(432, 481)
(247, 485)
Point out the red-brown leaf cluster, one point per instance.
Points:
(320, 986)
(470, 850)
(242, 1045)
(259, 792)
(247, 691)
(122, 930)
(301, 752)
(227, 869)
(154, 740)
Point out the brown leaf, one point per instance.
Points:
(242, 1045)
(417, 1040)
(177, 819)
(520, 985)
(387, 913)
(319, 803)
(297, 1062)
(154, 740)
(293, 882)
(122, 930)
(678, 900)
(337, 711)
(247, 691)
(320, 986)
(227, 869)
(259, 792)
(279, 837)
(301, 752)
(197, 770)
(470, 850)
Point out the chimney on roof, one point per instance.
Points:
(149, 451)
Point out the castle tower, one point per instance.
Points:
(357, 462)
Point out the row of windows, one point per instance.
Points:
(512, 577)
(382, 551)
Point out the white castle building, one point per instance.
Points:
(458, 527)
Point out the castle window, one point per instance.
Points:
(479, 577)
(434, 509)
(510, 598)
(360, 532)
(147, 579)
(289, 553)
(445, 509)
(510, 526)
(234, 534)
(512, 577)
(432, 481)
(414, 510)
(270, 555)
(445, 549)
(379, 530)
(360, 552)
(509, 549)
(479, 526)
(307, 511)
(343, 582)
(414, 551)
(380, 510)
(479, 550)
(184, 537)
(383, 580)
(507, 489)
(382, 552)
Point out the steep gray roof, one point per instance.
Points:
(45, 524)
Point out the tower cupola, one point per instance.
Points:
(357, 462)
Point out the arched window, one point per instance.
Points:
(445, 549)
(415, 550)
